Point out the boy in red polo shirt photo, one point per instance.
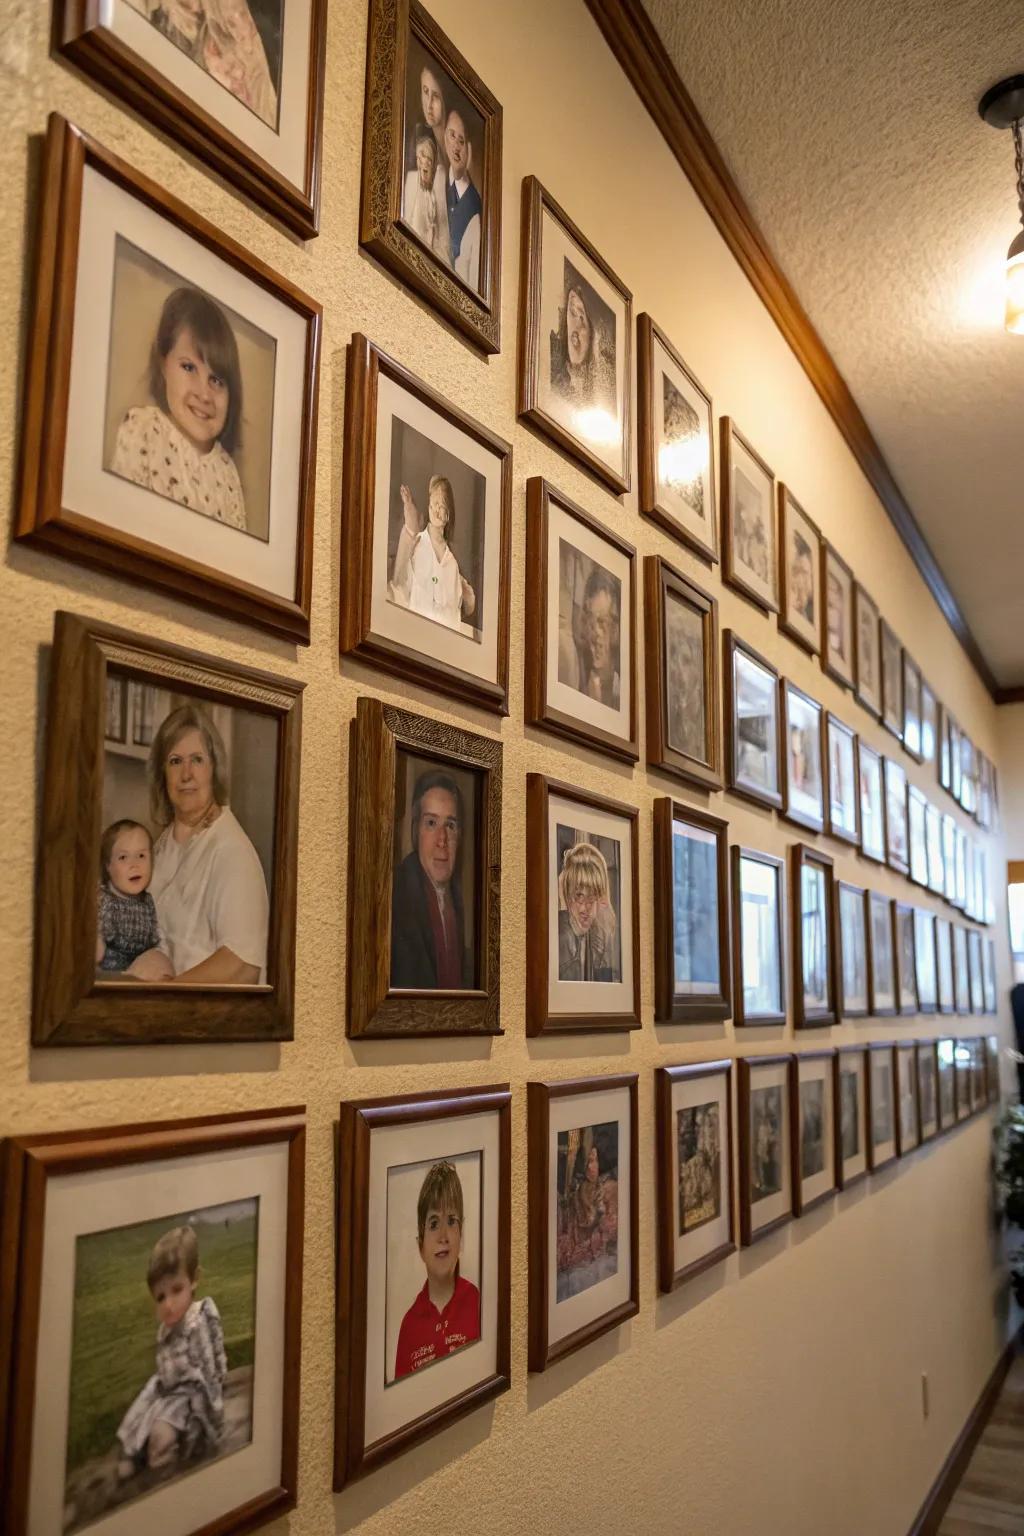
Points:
(446, 1313)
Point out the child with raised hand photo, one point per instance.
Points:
(446, 1313)
(426, 575)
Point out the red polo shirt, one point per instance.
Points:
(427, 1335)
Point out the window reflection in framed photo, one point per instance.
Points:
(866, 653)
(814, 948)
(946, 1067)
(753, 743)
(897, 846)
(882, 1107)
(961, 977)
(925, 961)
(749, 557)
(691, 915)
(814, 1144)
(765, 1108)
(929, 724)
(892, 680)
(963, 1059)
(803, 783)
(944, 985)
(693, 1106)
(912, 706)
(759, 957)
(851, 1114)
(989, 974)
(917, 807)
(683, 713)
(675, 420)
(933, 843)
(881, 958)
(852, 942)
(842, 800)
(976, 982)
(872, 802)
(799, 573)
(837, 631)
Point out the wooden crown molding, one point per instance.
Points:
(632, 38)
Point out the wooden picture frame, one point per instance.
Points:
(854, 1001)
(688, 1248)
(750, 564)
(851, 1120)
(751, 710)
(808, 860)
(989, 975)
(897, 832)
(800, 545)
(803, 757)
(961, 976)
(385, 619)
(872, 802)
(774, 1009)
(463, 1136)
(613, 948)
(891, 669)
(595, 577)
(908, 1118)
(543, 398)
(842, 797)
(100, 44)
(705, 998)
(397, 974)
(91, 485)
(945, 992)
(764, 1093)
(683, 504)
(882, 1105)
(949, 857)
(94, 1184)
(674, 683)
(933, 843)
(463, 287)
(77, 999)
(928, 1089)
(813, 1129)
(944, 754)
(993, 1089)
(917, 836)
(837, 631)
(867, 673)
(926, 961)
(964, 1062)
(550, 1108)
(904, 951)
(976, 985)
(881, 957)
(929, 723)
(946, 1069)
(912, 683)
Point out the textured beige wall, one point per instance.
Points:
(781, 1392)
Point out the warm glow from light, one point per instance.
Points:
(598, 427)
(1015, 290)
(684, 462)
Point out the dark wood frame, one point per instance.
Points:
(811, 823)
(538, 1100)
(535, 198)
(365, 365)
(353, 1458)
(891, 709)
(942, 1040)
(739, 1017)
(831, 556)
(993, 1087)
(873, 1009)
(540, 494)
(728, 430)
(538, 898)
(862, 747)
(949, 1007)
(375, 1008)
(665, 1078)
(80, 35)
(26, 1166)
(786, 499)
(918, 795)
(72, 1004)
(660, 577)
(41, 519)
(888, 1047)
(949, 864)
(844, 1011)
(746, 1066)
(842, 1182)
(924, 1048)
(733, 645)
(923, 1007)
(801, 854)
(669, 1008)
(932, 813)
(904, 1047)
(382, 233)
(989, 948)
(944, 755)
(833, 722)
(861, 595)
(927, 692)
(975, 970)
(962, 1077)
(903, 909)
(892, 858)
(649, 335)
(956, 762)
(961, 976)
(911, 669)
(800, 1206)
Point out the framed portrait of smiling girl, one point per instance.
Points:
(169, 428)
(166, 877)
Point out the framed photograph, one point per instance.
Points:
(241, 87)
(966, 773)
(799, 573)
(749, 560)
(765, 1106)
(927, 1089)
(963, 1061)
(956, 761)
(881, 957)
(917, 807)
(675, 443)
(867, 664)
(575, 337)
(960, 865)
(912, 706)
(814, 974)
(803, 785)
(155, 1325)
(583, 1213)
(979, 1088)
(897, 846)
(170, 408)
(165, 897)
(759, 958)
(693, 1133)
(684, 734)
(751, 724)
(115, 726)
(872, 802)
(949, 857)
(581, 626)
(946, 1068)
(691, 915)
(944, 754)
(426, 826)
(985, 798)
(926, 961)
(813, 1123)
(945, 992)
(933, 843)
(582, 938)
(961, 978)
(842, 800)
(929, 724)
(852, 942)
(850, 1088)
(992, 1087)
(908, 1131)
(989, 974)
(904, 952)
(837, 643)
(970, 906)
(974, 967)
(892, 680)
(422, 1331)
(425, 529)
(882, 1146)
(430, 210)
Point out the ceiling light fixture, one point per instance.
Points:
(1003, 107)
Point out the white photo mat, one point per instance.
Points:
(858, 1162)
(764, 1212)
(818, 1070)
(694, 457)
(882, 1071)
(562, 696)
(742, 462)
(690, 832)
(687, 1093)
(597, 997)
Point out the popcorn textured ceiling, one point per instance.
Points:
(851, 128)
